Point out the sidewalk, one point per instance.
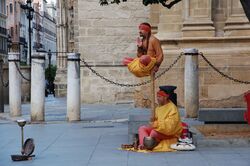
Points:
(55, 111)
(95, 141)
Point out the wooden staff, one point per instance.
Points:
(152, 88)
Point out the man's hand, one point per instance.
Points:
(153, 124)
(139, 42)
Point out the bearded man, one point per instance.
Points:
(149, 53)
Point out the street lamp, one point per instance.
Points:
(29, 13)
(51, 84)
(21, 123)
(25, 46)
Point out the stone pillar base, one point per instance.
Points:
(237, 30)
(198, 30)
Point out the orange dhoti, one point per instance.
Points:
(140, 67)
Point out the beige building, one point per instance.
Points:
(105, 34)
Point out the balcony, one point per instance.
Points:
(3, 31)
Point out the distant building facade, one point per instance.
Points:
(43, 27)
(49, 24)
(3, 53)
(3, 30)
(17, 26)
(43, 36)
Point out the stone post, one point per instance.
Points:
(73, 88)
(191, 83)
(37, 87)
(1, 87)
(14, 84)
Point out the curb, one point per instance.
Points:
(201, 141)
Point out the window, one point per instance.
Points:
(15, 6)
(11, 31)
(11, 8)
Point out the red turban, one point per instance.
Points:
(145, 27)
(162, 93)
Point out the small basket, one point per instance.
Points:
(19, 157)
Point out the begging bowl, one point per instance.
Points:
(149, 143)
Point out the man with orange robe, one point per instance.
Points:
(166, 127)
(149, 53)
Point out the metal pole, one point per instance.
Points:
(21, 123)
(1, 88)
(30, 50)
(29, 39)
(49, 76)
(22, 140)
(152, 88)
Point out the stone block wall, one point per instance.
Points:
(230, 56)
(219, 29)
(95, 89)
(105, 35)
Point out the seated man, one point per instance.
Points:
(166, 127)
(149, 53)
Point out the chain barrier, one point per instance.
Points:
(2, 80)
(19, 71)
(170, 66)
(130, 85)
(137, 84)
(221, 73)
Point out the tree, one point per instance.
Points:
(164, 3)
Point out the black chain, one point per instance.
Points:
(130, 85)
(18, 69)
(221, 73)
(2, 81)
(170, 66)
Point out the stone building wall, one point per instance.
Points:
(218, 28)
(106, 34)
(103, 35)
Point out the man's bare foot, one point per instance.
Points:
(127, 146)
(141, 147)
